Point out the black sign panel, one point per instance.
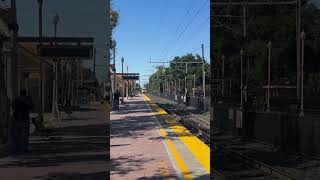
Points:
(131, 77)
(66, 51)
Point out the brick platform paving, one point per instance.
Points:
(143, 146)
(137, 150)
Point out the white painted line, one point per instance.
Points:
(179, 174)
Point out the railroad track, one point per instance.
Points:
(234, 165)
(196, 124)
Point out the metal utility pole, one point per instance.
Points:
(244, 18)
(175, 87)
(203, 74)
(40, 3)
(298, 39)
(94, 71)
(107, 90)
(12, 65)
(185, 88)
(55, 109)
(241, 80)
(223, 58)
(114, 44)
(269, 75)
(94, 64)
(185, 84)
(78, 81)
(303, 36)
(194, 84)
(179, 87)
(127, 89)
(122, 60)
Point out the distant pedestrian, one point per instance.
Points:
(187, 98)
(116, 97)
(22, 106)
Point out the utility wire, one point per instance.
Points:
(190, 7)
(188, 25)
(184, 44)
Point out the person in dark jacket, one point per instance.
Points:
(116, 97)
(21, 108)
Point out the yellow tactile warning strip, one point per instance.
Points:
(179, 161)
(199, 149)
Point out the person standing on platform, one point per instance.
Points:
(116, 97)
(21, 108)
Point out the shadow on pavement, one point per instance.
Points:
(82, 143)
(162, 177)
(76, 176)
(126, 164)
(134, 127)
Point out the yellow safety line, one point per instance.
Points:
(199, 149)
(179, 161)
(177, 157)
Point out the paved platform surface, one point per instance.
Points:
(147, 144)
(77, 150)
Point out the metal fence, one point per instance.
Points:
(283, 129)
(192, 101)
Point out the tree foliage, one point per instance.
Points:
(264, 24)
(176, 71)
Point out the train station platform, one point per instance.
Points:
(147, 143)
(77, 149)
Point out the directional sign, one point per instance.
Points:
(66, 51)
(131, 77)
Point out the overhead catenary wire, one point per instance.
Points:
(190, 7)
(187, 26)
(184, 44)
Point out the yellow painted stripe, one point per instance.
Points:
(199, 149)
(179, 161)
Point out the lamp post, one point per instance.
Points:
(175, 87)
(298, 43)
(269, 75)
(122, 60)
(223, 58)
(40, 3)
(194, 84)
(114, 44)
(203, 74)
(303, 36)
(241, 81)
(179, 86)
(55, 110)
(11, 66)
(127, 88)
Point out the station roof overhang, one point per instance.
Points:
(59, 47)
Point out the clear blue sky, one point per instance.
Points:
(160, 30)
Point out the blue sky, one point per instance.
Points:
(159, 30)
